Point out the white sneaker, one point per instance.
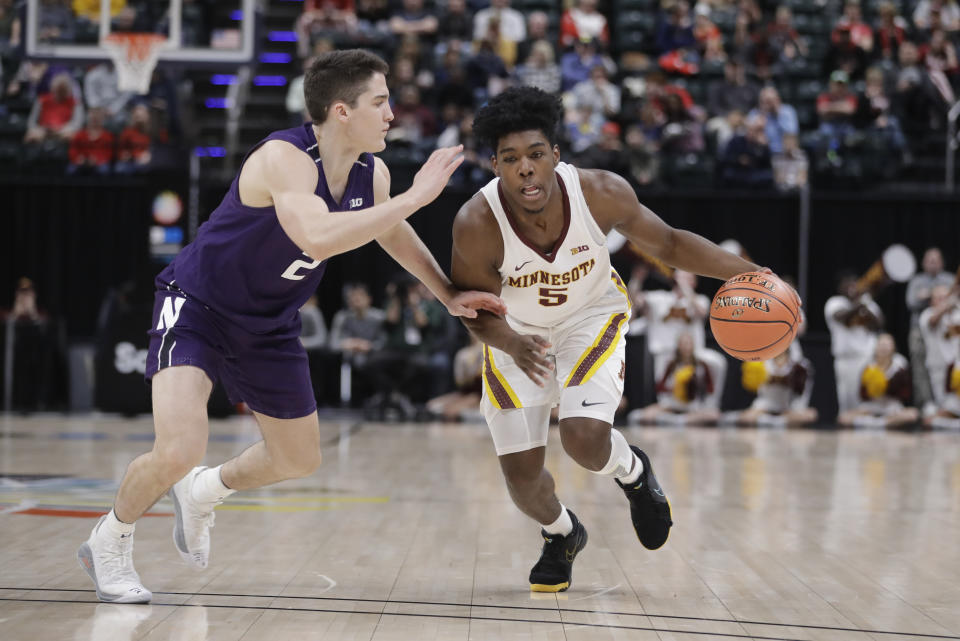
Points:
(193, 520)
(109, 562)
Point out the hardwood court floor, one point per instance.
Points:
(407, 532)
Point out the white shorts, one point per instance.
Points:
(587, 351)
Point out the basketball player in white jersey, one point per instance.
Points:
(536, 236)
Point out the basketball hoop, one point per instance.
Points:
(134, 55)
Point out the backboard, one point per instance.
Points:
(199, 31)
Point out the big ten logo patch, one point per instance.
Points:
(576, 250)
(356, 202)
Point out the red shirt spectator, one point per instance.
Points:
(93, 145)
(134, 143)
(861, 35)
(583, 21)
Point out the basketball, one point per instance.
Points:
(754, 316)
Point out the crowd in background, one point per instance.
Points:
(740, 93)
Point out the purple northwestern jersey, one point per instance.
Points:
(244, 266)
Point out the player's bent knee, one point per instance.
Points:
(175, 460)
(584, 438)
(295, 465)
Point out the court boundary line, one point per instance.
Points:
(559, 610)
(431, 616)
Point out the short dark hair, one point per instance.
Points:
(339, 75)
(518, 109)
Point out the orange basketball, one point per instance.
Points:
(754, 316)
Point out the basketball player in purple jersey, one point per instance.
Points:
(226, 309)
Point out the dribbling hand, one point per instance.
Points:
(530, 355)
(433, 176)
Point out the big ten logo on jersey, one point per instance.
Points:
(356, 202)
(127, 359)
(291, 272)
(576, 250)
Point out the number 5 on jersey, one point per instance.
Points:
(553, 296)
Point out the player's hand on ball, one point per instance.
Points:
(466, 304)
(530, 355)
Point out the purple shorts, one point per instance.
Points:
(269, 372)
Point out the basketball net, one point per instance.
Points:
(134, 55)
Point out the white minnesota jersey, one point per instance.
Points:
(545, 289)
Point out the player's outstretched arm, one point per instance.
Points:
(403, 244)
(615, 205)
(477, 251)
(290, 176)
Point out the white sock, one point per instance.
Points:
(562, 526)
(771, 420)
(623, 463)
(115, 527)
(208, 487)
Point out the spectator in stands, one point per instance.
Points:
(918, 296)
(9, 29)
(608, 152)
(583, 21)
(91, 148)
(455, 22)
(918, 104)
(295, 102)
(891, 31)
(781, 45)
(675, 30)
(373, 20)
(414, 19)
(781, 119)
(313, 336)
(734, 91)
(836, 108)
(682, 130)
(844, 54)
(486, 72)
(642, 154)
(133, 146)
(575, 65)
(333, 19)
(928, 12)
(450, 80)
(884, 391)
(56, 115)
(582, 128)
(538, 30)
(56, 22)
(100, 89)
(940, 57)
(854, 321)
(874, 112)
(706, 33)
(745, 162)
(539, 69)
(657, 89)
(357, 332)
(476, 168)
(25, 308)
(511, 25)
(598, 95)
(413, 122)
(860, 33)
(790, 166)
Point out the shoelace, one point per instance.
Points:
(118, 558)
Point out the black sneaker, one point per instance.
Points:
(553, 571)
(649, 508)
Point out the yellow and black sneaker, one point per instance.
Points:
(649, 508)
(554, 570)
